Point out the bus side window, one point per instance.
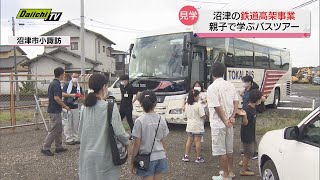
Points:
(285, 60)
(243, 58)
(261, 56)
(229, 56)
(261, 60)
(275, 62)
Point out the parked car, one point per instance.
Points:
(115, 90)
(316, 81)
(292, 153)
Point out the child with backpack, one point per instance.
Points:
(195, 125)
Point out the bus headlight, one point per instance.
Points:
(175, 111)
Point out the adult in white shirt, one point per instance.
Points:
(223, 104)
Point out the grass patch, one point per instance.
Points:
(273, 119)
(5, 116)
(313, 87)
(21, 115)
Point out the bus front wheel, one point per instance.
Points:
(276, 100)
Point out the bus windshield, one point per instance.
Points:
(158, 57)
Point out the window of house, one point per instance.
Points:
(98, 46)
(74, 45)
(104, 48)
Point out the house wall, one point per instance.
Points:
(91, 47)
(11, 53)
(72, 59)
(44, 68)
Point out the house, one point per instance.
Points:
(97, 53)
(120, 58)
(7, 59)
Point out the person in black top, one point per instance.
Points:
(54, 110)
(248, 130)
(72, 93)
(126, 105)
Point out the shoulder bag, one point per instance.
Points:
(142, 161)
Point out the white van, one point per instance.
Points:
(115, 90)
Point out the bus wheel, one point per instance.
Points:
(276, 100)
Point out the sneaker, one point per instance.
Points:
(232, 175)
(246, 173)
(185, 158)
(60, 150)
(199, 160)
(255, 156)
(131, 138)
(220, 177)
(47, 152)
(241, 163)
(70, 143)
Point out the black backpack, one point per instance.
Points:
(119, 150)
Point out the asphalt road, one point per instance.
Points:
(302, 96)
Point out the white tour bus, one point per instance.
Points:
(169, 62)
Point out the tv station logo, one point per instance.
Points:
(45, 14)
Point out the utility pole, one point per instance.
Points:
(82, 39)
(15, 62)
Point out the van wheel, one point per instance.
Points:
(276, 99)
(269, 171)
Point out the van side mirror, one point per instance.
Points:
(185, 57)
(291, 133)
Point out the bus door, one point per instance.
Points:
(199, 65)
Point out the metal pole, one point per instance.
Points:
(313, 103)
(15, 61)
(12, 103)
(82, 39)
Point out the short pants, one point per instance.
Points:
(191, 134)
(248, 149)
(155, 167)
(222, 141)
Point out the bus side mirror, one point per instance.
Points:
(185, 57)
(130, 48)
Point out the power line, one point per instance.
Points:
(246, 4)
(206, 2)
(112, 25)
(111, 28)
(225, 6)
(304, 4)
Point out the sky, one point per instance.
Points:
(123, 20)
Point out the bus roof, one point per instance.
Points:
(189, 29)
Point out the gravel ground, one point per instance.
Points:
(21, 158)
